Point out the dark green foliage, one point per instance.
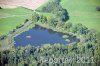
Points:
(42, 19)
(55, 8)
(26, 20)
(52, 22)
(35, 17)
(3, 37)
(0, 7)
(91, 36)
(62, 15)
(98, 8)
(57, 1)
(29, 55)
(68, 26)
(79, 28)
(52, 7)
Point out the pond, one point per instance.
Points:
(38, 36)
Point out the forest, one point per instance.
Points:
(84, 53)
(30, 55)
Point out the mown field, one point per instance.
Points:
(10, 18)
(83, 11)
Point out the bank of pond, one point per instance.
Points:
(37, 36)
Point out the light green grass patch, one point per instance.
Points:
(10, 18)
(17, 11)
(8, 24)
(83, 11)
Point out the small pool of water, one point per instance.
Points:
(38, 36)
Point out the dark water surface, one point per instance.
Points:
(38, 36)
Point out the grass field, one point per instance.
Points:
(83, 11)
(80, 11)
(10, 18)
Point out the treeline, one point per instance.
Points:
(55, 8)
(75, 54)
(51, 20)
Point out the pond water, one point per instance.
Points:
(38, 36)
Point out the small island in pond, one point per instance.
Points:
(28, 37)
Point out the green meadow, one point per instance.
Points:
(83, 11)
(10, 18)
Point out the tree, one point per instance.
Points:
(57, 46)
(81, 47)
(98, 8)
(68, 26)
(70, 48)
(43, 19)
(47, 46)
(52, 22)
(52, 7)
(35, 17)
(62, 15)
(55, 8)
(26, 20)
(0, 7)
(60, 26)
(79, 28)
(57, 1)
(97, 54)
(90, 36)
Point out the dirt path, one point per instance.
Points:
(30, 4)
